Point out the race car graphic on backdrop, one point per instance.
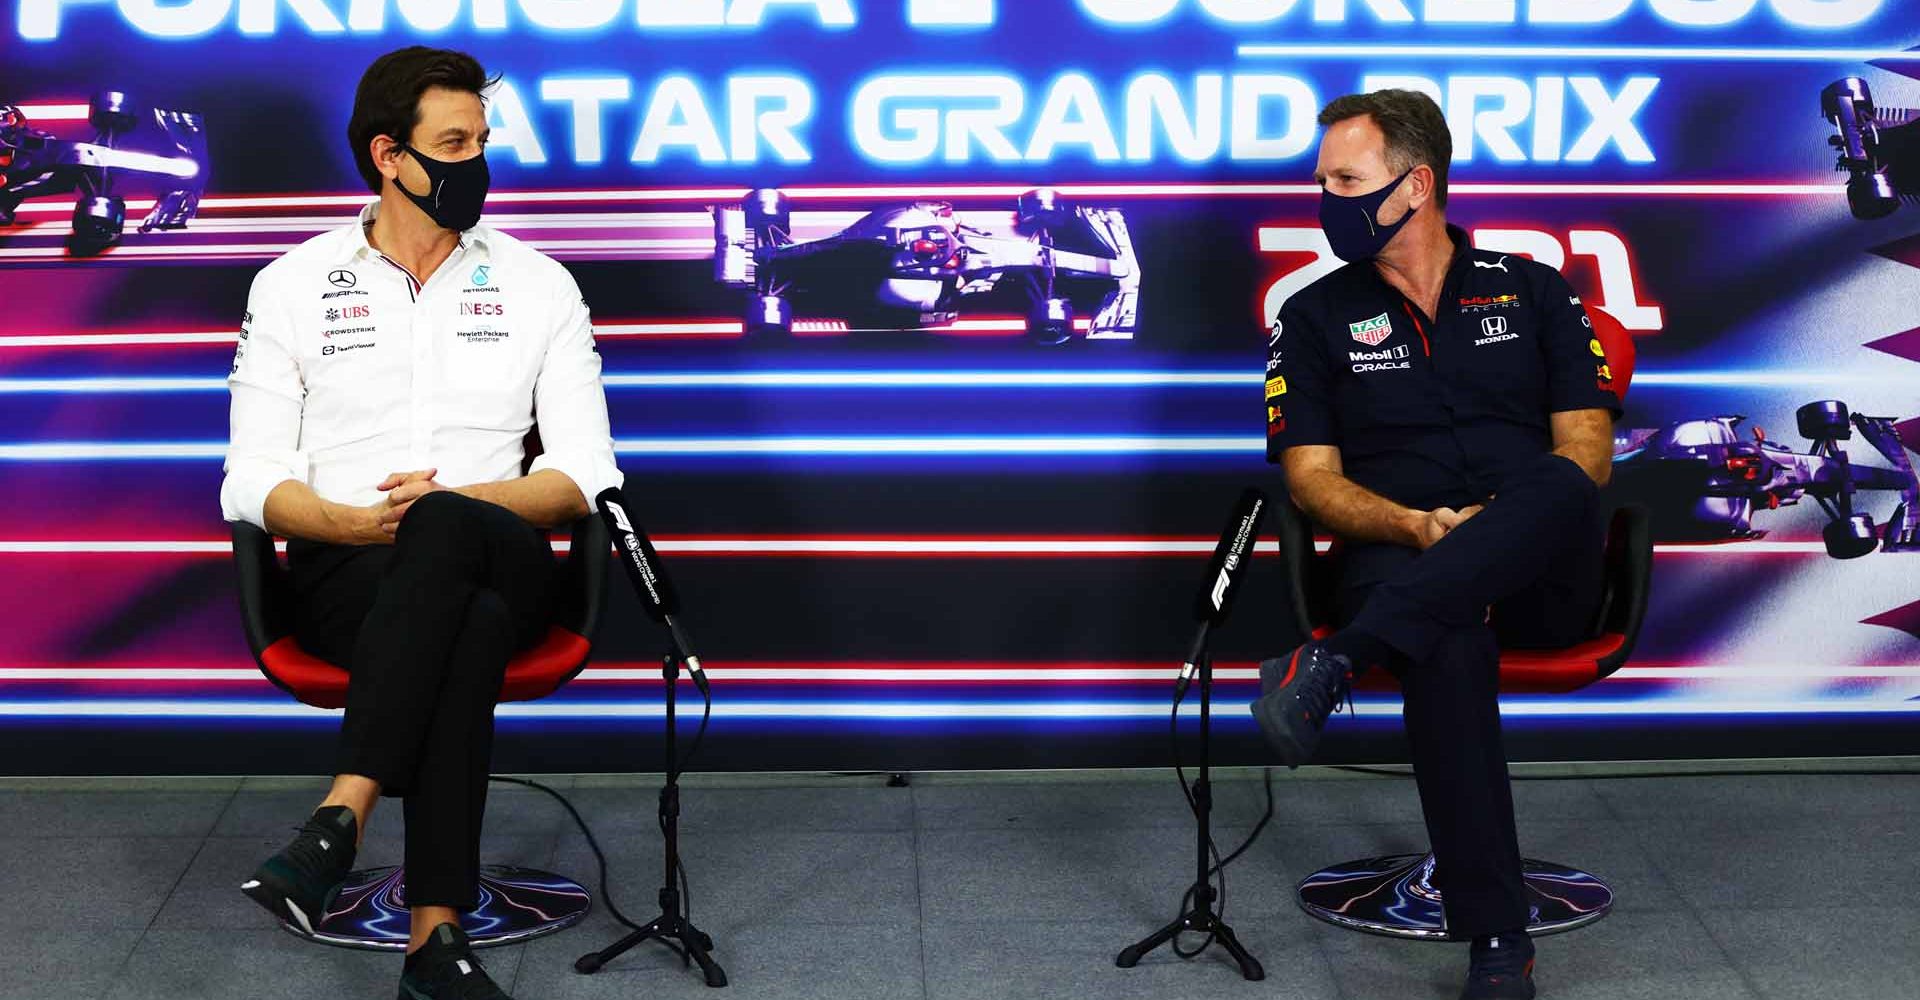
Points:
(1703, 481)
(173, 152)
(1879, 148)
(919, 265)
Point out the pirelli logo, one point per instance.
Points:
(1276, 386)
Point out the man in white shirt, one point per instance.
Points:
(387, 379)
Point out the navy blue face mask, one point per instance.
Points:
(455, 189)
(1352, 223)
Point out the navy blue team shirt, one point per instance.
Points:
(1432, 411)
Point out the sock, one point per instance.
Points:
(1362, 649)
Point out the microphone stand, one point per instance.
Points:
(1200, 917)
(672, 924)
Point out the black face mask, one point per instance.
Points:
(455, 189)
(1351, 222)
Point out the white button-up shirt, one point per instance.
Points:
(348, 370)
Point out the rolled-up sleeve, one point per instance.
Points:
(263, 437)
(570, 403)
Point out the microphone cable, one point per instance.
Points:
(1219, 869)
(593, 843)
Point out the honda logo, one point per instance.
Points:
(1493, 326)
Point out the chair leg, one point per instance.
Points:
(516, 904)
(1395, 896)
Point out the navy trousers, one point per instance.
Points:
(1525, 572)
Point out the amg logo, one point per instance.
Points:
(482, 309)
(1391, 354)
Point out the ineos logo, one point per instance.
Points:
(342, 278)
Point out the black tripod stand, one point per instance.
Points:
(1200, 917)
(672, 924)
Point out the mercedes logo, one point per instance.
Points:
(343, 279)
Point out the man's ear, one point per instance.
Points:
(1420, 185)
(386, 156)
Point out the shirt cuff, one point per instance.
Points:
(591, 473)
(243, 494)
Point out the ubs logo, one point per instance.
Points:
(342, 278)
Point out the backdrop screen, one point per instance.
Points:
(912, 530)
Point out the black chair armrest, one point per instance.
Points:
(583, 578)
(1296, 561)
(262, 587)
(1629, 569)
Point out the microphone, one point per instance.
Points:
(1225, 571)
(649, 577)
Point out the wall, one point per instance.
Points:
(950, 546)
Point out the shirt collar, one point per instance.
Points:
(356, 246)
(1462, 247)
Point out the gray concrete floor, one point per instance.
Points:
(990, 886)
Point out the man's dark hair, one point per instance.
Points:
(388, 99)
(1416, 131)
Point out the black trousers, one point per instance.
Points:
(425, 628)
(1525, 572)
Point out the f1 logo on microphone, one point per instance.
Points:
(619, 516)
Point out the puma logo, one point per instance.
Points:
(1498, 265)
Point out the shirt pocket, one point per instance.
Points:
(487, 371)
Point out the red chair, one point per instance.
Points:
(1396, 895)
(515, 903)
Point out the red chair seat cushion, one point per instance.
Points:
(1556, 671)
(1533, 671)
(536, 673)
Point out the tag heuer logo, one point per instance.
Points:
(1371, 331)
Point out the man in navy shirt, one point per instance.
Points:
(1447, 413)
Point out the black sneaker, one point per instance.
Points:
(299, 883)
(1297, 693)
(444, 969)
(1501, 969)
